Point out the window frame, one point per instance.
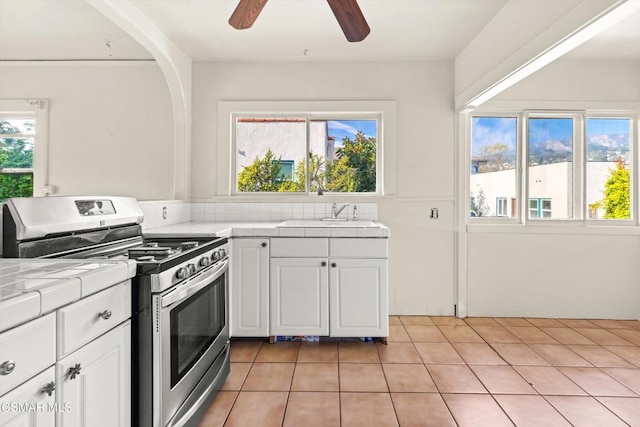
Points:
(383, 111)
(580, 209)
(499, 212)
(39, 110)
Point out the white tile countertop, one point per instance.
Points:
(267, 229)
(30, 288)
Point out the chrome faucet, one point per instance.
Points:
(335, 211)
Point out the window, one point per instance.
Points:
(306, 153)
(493, 164)
(539, 208)
(22, 126)
(608, 168)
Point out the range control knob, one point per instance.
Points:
(215, 256)
(181, 273)
(204, 261)
(191, 269)
(223, 252)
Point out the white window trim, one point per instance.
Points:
(318, 110)
(39, 108)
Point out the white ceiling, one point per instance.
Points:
(400, 30)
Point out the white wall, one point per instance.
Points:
(560, 271)
(110, 125)
(421, 250)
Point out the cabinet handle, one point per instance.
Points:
(74, 371)
(105, 314)
(334, 265)
(49, 388)
(323, 263)
(7, 367)
(264, 244)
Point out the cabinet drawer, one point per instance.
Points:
(359, 248)
(85, 320)
(30, 395)
(307, 247)
(29, 348)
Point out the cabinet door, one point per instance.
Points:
(299, 296)
(359, 297)
(99, 394)
(37, 408)
(249, 296)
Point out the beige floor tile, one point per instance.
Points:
(367, 410)
(549, 323)
(219, 409)
(460, 334)
(408, 378)
(357, 352)
(422, 410)
(512, 321)
(602, 336)
(315, 377)
(447, 321)
(478, 354)
(476, 411)
(419, 333)
(531, 335)
(628, 377)
(532, 411)
(627, 408)
(481, 321)
(278, 352)
(455, 379)
(519, 354)
(362, 377)
(630, 354)
(416, 320)
(237, 376)
(600, 356)
(502, 380)
(269, 377)
(311, 409)
(496, 334)
(631, 335)
(548, 380)
(398, 352)
(397, 333)
(577, 323)
(596, 382)
(264, 409)
(326, 352)
(609, 324)
(584, 411)
(244, 351)
(438, 353)
(395, 320)
(559, 355)
(567, 336)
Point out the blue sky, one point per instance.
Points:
(542, 130)
(492, 130)
(341, 128)
(607, 126)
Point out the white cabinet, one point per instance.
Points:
(37, 397)
(249, 296)
(359, 297)
(299, 296)
(95, 382)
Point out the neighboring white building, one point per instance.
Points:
(550, 189)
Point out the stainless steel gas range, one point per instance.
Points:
(180, 340)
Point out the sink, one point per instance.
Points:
(328, 223)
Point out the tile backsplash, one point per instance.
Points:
(182, 211)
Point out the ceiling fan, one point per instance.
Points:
(347, 13)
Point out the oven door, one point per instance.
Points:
(190, 330)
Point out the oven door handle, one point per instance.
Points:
(188, 289)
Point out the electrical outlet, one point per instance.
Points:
(434, 213)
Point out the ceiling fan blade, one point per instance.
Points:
(246, 13)
(351, 19)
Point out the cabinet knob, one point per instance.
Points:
(49, 388)
(323, 263)
(105, 314)
(7, 367)
(74, 371)
(334, 265)
(264, 244)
